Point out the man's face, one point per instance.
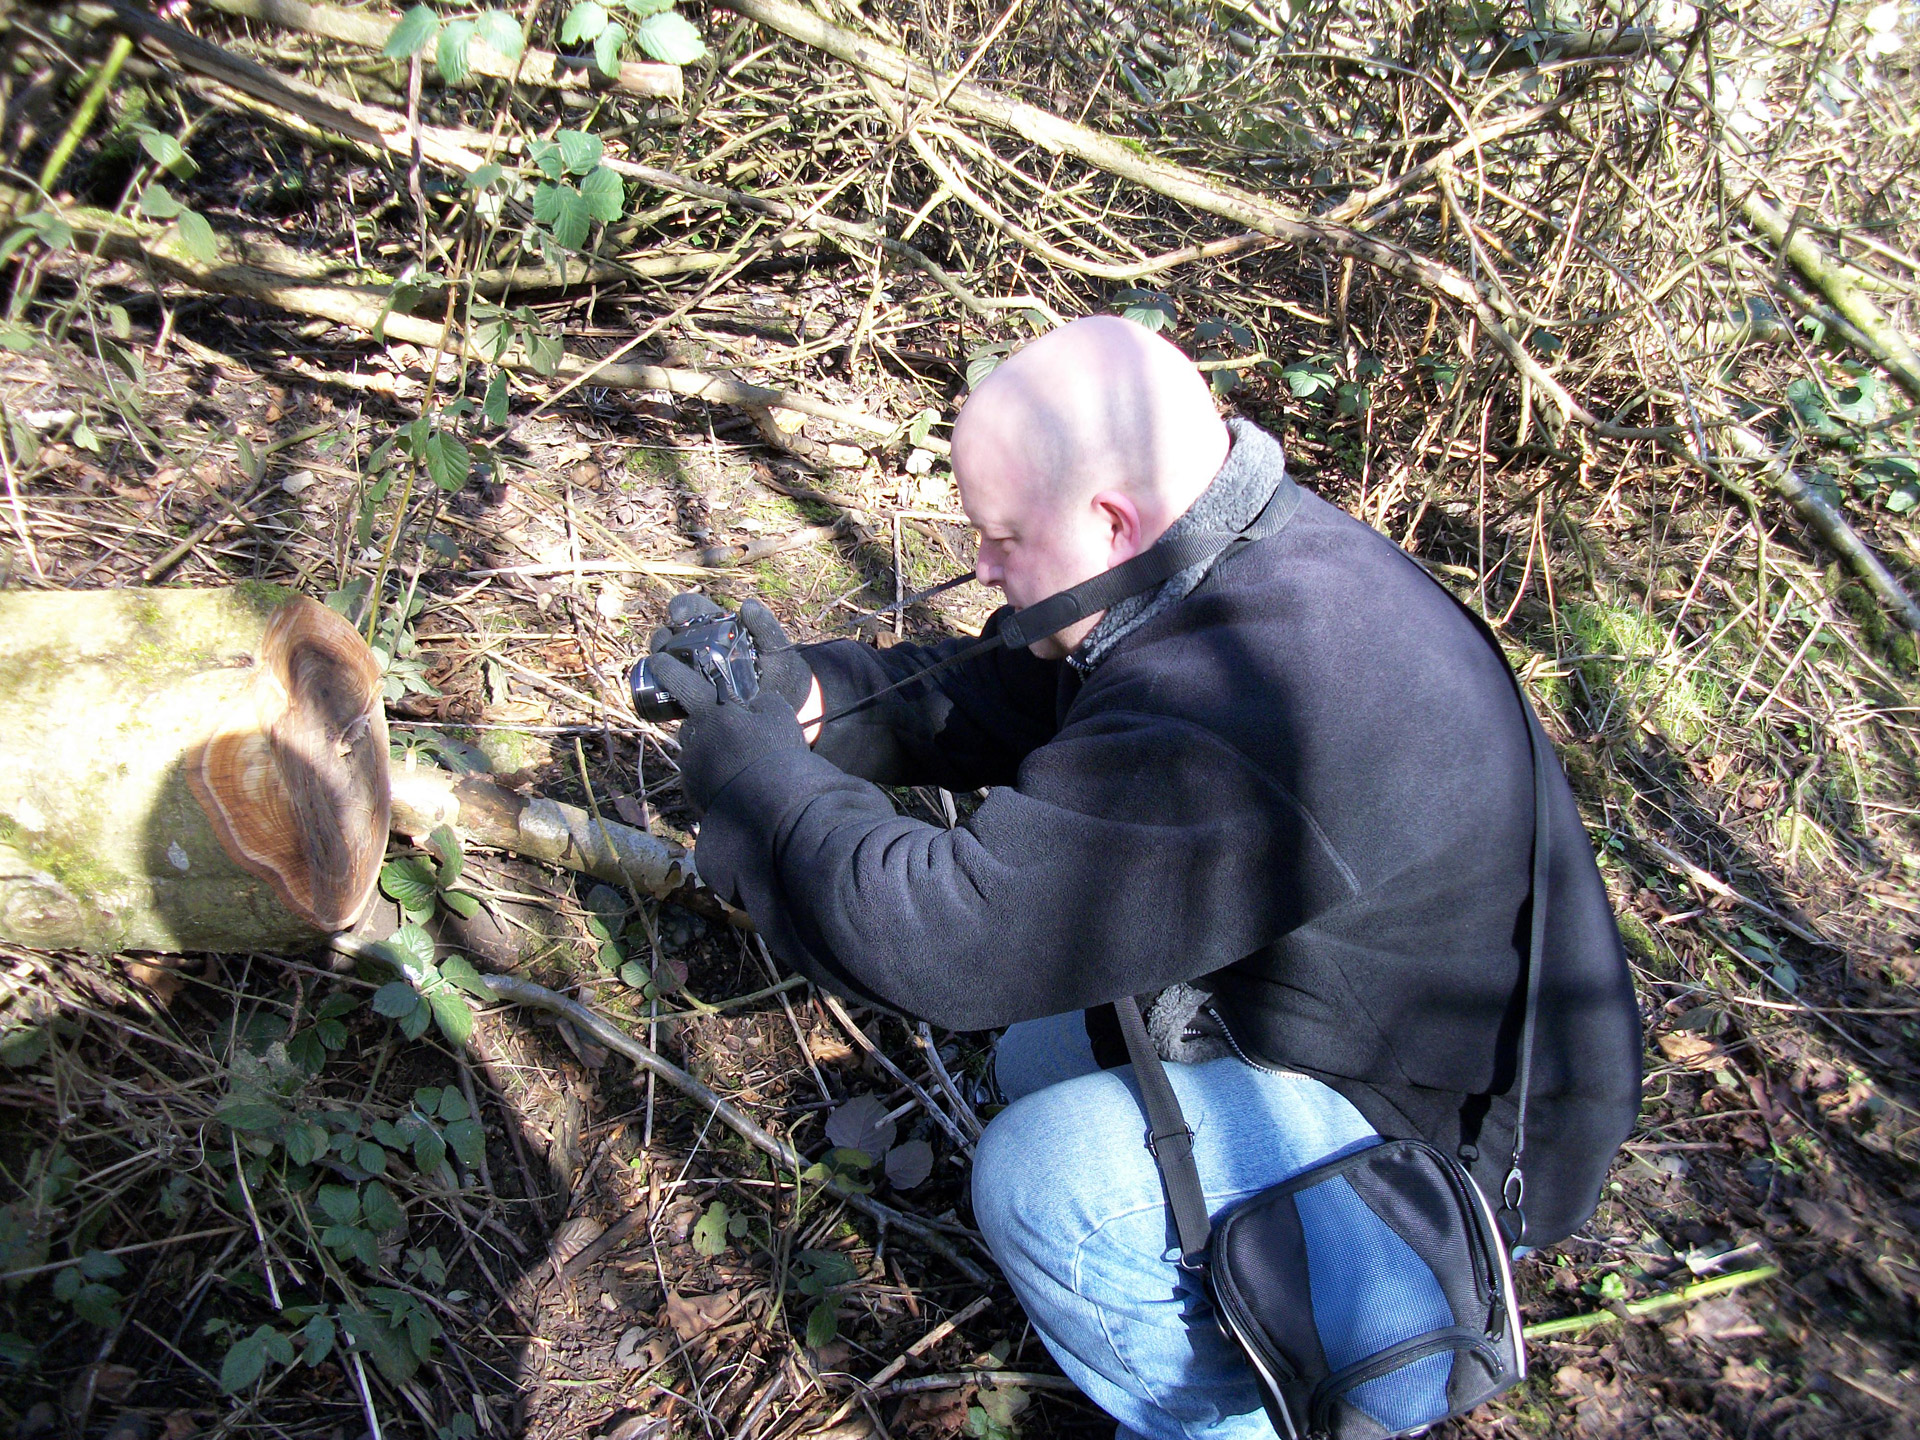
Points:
(1032, 546)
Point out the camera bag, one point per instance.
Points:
(1326, 1377)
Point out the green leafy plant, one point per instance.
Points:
(429, 993)
(1149, 308)
(659, 31)
(713, 1230)
(817, 1274)
(418, 883)
(452, 40)
(83, 1286)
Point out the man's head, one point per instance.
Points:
(1077, 453)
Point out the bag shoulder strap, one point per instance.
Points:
(1171, 1141)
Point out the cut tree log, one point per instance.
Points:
(186, 770)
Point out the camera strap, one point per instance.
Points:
(1153, 566)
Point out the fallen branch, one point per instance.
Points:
(535, 67)
(913, 80)
(366, 309)
(1652, 1305)
(536, 828)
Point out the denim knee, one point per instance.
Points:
(997, 1167)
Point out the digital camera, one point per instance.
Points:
(717, 646)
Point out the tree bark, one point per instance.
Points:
(185, 770)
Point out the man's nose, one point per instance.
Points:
(985, 571)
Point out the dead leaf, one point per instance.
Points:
(1683, 1047)
(1722, 1319)
(942, 1412)
(179, 1425)
(631, 810)
(1827, 1218)
(573, 1237)
(828, 1048)
(694, 1315)
(157, 974)
(909, 1164)
(101, 1384)
(861, 1124)
(642, 1349)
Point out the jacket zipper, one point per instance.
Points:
(1227, 1031)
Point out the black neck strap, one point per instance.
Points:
(1171, 1142)
(1153, 566)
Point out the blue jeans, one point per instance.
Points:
(1071, 1204)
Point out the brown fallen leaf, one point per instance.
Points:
(573, 1237)
(1722, 1319)
(828, 1048)
(1827, 1218)
(693, 1315)
(158, 973)
(101, 1384)
(1683, 1047)
(179, 1425)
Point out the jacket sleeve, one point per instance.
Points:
(1128, 858)
(961, 728)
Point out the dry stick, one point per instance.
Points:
(536, 67)
(899, 1362)
(919, 1092)
(1653, 1304)
(523, 992)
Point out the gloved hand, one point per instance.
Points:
(781, 668)
(722, 737)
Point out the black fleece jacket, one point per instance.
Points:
(1305, 787)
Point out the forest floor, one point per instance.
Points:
(613, 1264)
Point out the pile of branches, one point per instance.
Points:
(1602, 237)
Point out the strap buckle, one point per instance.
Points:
(1153, 1141)
(1513, 1190)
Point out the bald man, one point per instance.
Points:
(1286, 793)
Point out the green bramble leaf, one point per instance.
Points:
(605, 195)
(429, 1151)
(546, 156)
(579, 151)
(453, 1015)
(468, 1140)
(646, 7)
(458, 970)
(710, 1231)
(451, 52)
(395, 1000)
(320, 1339)
(823, 1323)
(499, 32)
(339, 1203)
(157, 203)
(414, 32)
(670, 38)
(564, 211)
(408, 879)
(447, 460)
(583, 23)
(198, 237)
(381, 1210)
(461, 903)
(495, 404)
(545, 350)
(451, 857)
(414, 1024)
(607, 47)
(245, 1362)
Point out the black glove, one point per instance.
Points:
(781, 668)
(687, 606)
(722, 737)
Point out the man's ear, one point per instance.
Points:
(1121, 517)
